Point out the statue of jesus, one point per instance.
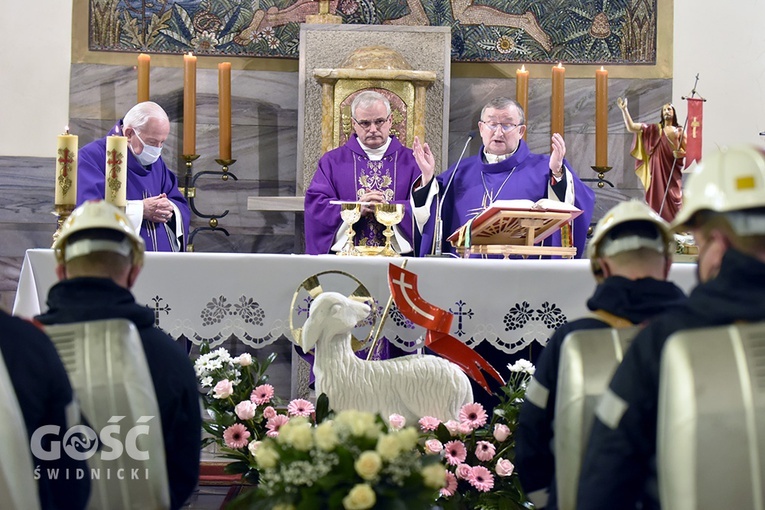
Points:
(660, 153)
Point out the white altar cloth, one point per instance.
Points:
(508, 304)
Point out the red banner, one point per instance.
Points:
(438, 322)
(694, 130)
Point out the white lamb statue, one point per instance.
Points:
(412, 386)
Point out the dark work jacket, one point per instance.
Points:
(619, 469)
(634, 300)
(43, 391)
(89, 299)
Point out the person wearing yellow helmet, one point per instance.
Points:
(724, 209)
(99, 258)
(630, 254)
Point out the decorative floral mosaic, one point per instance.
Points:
(578, 31)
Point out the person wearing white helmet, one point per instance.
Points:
(630, 254)
(99, 259)
(724, 209)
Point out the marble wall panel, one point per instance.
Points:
(265, 145)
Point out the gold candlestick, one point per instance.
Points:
(62, 211)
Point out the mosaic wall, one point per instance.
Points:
(580, 31)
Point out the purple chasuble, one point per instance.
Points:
(346, 173)
(523, 175)
(142, 182)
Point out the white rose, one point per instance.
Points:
(245, 410)
(244, 360)
(361, 497)
(368, 465)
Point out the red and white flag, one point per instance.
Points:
(694, 130)
(438, 322)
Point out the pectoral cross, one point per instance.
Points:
(694, 124)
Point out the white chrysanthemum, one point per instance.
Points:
(408, 438)
(296, 433)
(358, 423)
(326, 437)
(388, 446)
(522, 365)
(434, 475)
(206, 381)
(266, 456)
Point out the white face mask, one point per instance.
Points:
(149, 155)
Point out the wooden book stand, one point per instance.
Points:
(515, 227)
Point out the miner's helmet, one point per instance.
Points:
(96, 226)
(629, 226)
(732, 182)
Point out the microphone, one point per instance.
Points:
(438, 233)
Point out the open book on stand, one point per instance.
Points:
(521, 223)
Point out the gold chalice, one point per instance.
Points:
(389, 215)
(350, 212)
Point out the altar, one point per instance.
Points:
(246, 300)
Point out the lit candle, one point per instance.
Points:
(558, 91)
(66, 169)
(522, 90)
(601, 118)
(115, 185)
(189, 104)
(522, 87)
(144, 67)
(224, 109)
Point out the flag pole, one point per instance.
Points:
(376, 336)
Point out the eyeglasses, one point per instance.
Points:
(506, 128)
(366, 124)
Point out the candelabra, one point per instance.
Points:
(601, 180)
(62, 212)
(189, 192)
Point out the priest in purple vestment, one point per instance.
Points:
(505, 169)
(154, 203)
(372, 167)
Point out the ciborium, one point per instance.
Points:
(389, 215)
(350, 212)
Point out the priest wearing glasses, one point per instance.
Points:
(504, 169)
(372, 167)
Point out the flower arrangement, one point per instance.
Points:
(303, 457)
(241, 405)
(352, 461)
(478, 450)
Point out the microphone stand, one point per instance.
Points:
(438, 231)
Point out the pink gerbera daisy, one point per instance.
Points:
(451, 485)
(274, 424)
(429, 423)
(455, 452)
(473, 414)
(236, 436)
(481, 478)
(300, 407)
(262, 394)
(485, 451)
